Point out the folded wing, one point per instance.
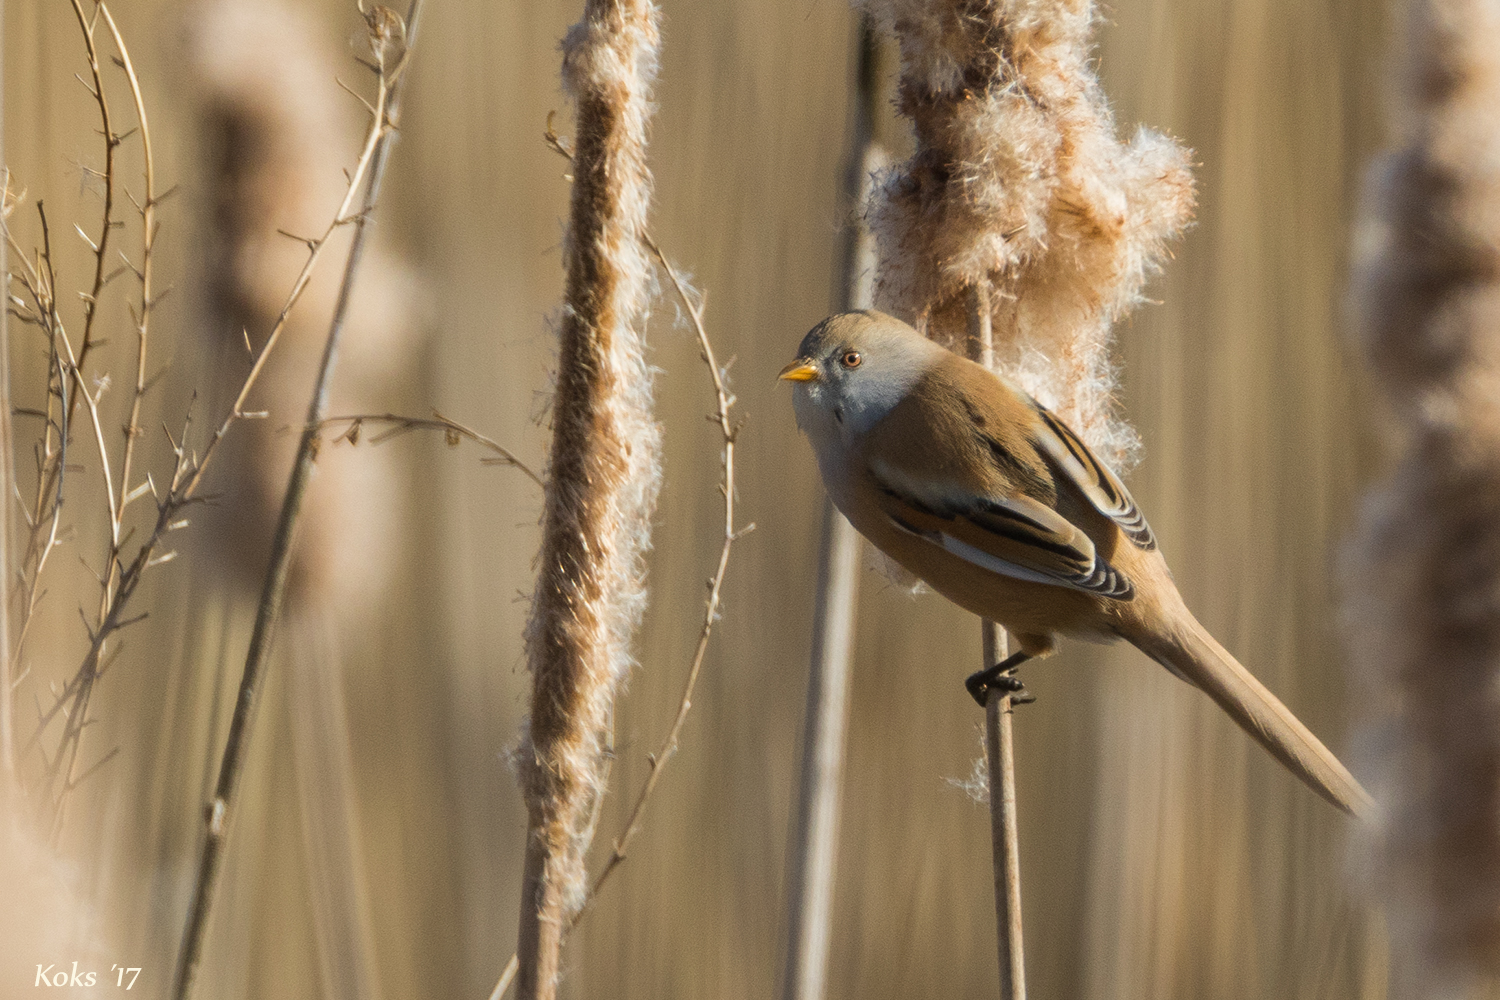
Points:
(1070, 458)
(1014, 536)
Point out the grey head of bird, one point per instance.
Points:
(851, 370)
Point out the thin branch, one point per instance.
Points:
(147, 209)
(74, 783)
(63, 780)
(111, 143)
(390, 42)
(43, 519)
(62, 777)
(452, 429)
(189, 467)
(711, 607)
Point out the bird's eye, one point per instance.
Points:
(851, 359)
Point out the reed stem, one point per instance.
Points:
(236, 750)
(813, 855)
(7, 472)
(999, 744)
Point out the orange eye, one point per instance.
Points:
(851, 359)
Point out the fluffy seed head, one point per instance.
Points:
(1019, 179)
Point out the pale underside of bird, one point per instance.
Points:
(970, 484)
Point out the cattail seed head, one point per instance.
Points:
(1019, 180)
(1423, 573)
(604, 471)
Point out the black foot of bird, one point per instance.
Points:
(1000, 677)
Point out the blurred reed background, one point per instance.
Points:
(1163, 856)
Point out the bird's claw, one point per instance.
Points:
(995, 678)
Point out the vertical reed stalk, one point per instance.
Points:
(1019, 231)
(1005, 829)
(813, 854)
(390, 42)
(602, 481)
(7, 473)
(814, 848)
(999, 736)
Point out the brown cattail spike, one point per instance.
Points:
(603, 477)
(1423, 574)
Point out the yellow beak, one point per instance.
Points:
(801, 370)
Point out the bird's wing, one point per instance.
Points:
(1015, 536)
(1072, 460)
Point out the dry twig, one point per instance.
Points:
(453, 432)
(124, 571)
(390, 41)
(43, 518)
(77, 717)
(729, 430)
(112, 140)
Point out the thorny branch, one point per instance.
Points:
(124, 570)
(142, 317)
(43, 517)
(729, 430)
(453, 433)
(112, 142)
(59, 779)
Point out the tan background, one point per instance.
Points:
(1162, 856)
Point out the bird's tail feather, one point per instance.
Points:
(1190, 652)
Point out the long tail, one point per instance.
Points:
(1195, 656)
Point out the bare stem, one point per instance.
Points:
(43, 518)
(114, 557)
(188, 469)
(813, 854)
(7, 479)
(390, 42)
(1005, 841)
(142, 317)
(1000, 756)
(112, 142)
(60, 779)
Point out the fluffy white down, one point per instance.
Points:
(1042, 199)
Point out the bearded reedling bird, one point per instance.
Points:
(969, 483)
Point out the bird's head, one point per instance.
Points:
(851, 370)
